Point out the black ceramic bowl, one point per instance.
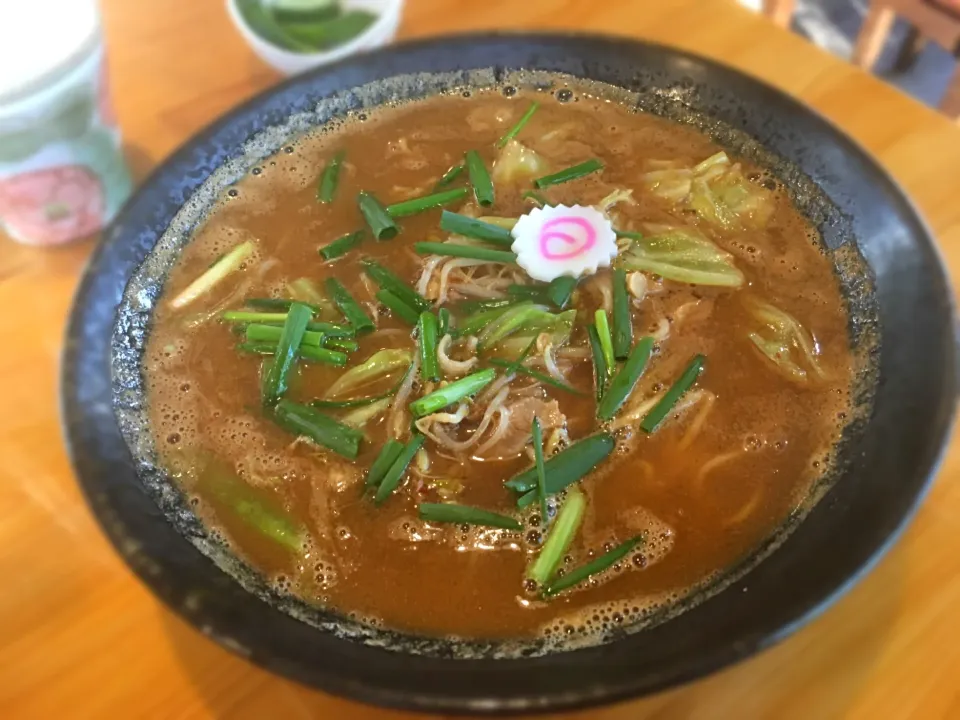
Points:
(887, 462)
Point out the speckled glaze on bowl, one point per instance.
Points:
(901, 325)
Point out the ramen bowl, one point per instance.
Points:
(900, 314)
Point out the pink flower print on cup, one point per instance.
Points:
(57, 204)
(551, 242)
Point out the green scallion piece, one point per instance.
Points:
(538, 198)
(350, 308)
(446, 322)
(398, 307)
(600, 369)
(476, 229)
(566, 467)
(387, 280)
(274, 383)
(381, 224)
(322, 429)
(559, 537)
(597, 565)
(622, 324)
(266, 318)
(463, 514)
(272, 333)
(393, 476)
(387, 456)
(571, 173)
(465, 251)
(449, 176)
(473, 306)
(344, 344)
(629, 235)
(560, 290)
(524, 119)
(342, 245)
(683, 383)
(224, 266)
(625, 380)
(330, 178)
(479, 178)
(310, 353)
(427, 202)
(331, 330)
(537, 434)
(606, 338)
(454, 392)
(542, 377)
(427, 329)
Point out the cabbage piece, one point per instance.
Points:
(360, 416)
(731, 201)
(517, 163)
(783, 340)
(527, 321)
(378, 365)
(715, 189)
(684, 255)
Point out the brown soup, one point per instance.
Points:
(715, 261)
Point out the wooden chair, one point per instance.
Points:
(936, 20)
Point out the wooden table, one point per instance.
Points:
(81, 638)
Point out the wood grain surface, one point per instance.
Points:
(81, 638)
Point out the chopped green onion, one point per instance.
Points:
(391, 480)
(350, 308)
(536, 197)
(512, 367)
(683, 383)
(449, 513)
(243, 316)
(629, 235)
(252, 505)
(597, 565)
(307, 352)
(566, 467)
(571, 173)
(342, 245)
(479, 178)
(273, 333)
(537, 434)
(606, 338)
(524, 119)
(387, 456)
(387, 280)
(322, 429)
(449, 176)
(427, 331)
(446, 322)
(465, 251)
(398, 307)
(274, 304)
(622, 324)
(600, 368)
(380, 223)
(274, 383)
(453, 392)
(559, 537)
(625, 380)
(329, 179)
(345, 344)
(560, 289)
(427, 202)
(378, 365)
(476, 229)
(542, 377)
(226, 265)
(332, 330)
(472, 306)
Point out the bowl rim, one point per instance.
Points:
(71, 401)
